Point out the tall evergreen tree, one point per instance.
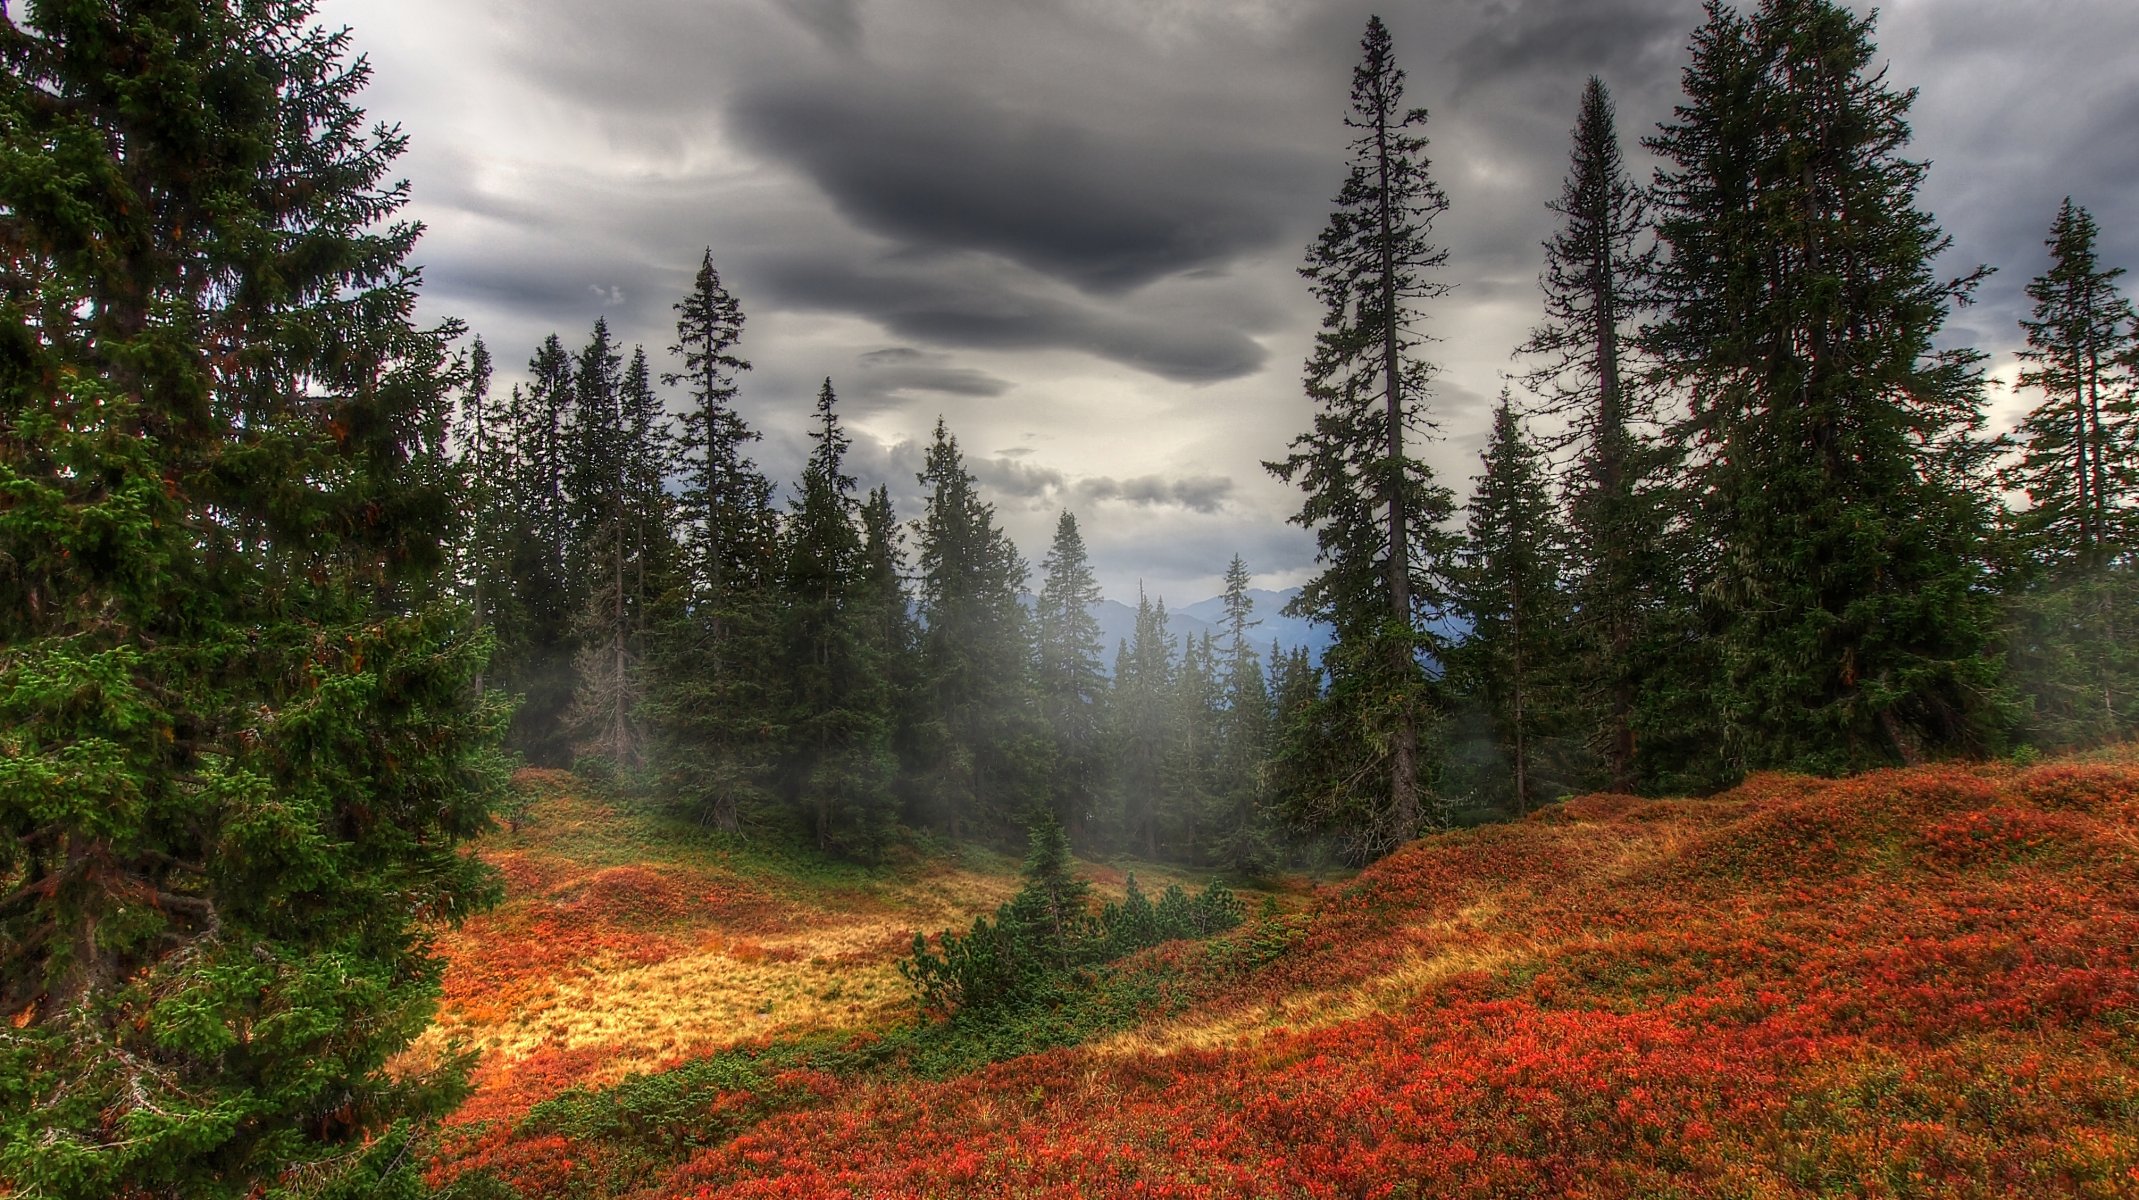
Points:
(710, 696)
(2079, 461)
(1828, 435)
(1244, 838)
(979, 746)
(1376, 511)
(1515, 660)
(719, 485)
(1595, 270)
(621, 548)
(836, 697)
(1188, 801)
(483, 568)
(240, 746)
(533, 614)
(1070, 680)
(1141, 709)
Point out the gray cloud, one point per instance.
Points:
(933, 166)
(1072, 229)
(975, 304)
(1197, 493)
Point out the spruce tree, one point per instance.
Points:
(1070, 681)
(621, 549)
(1142, 713)
(717, 499)
(1376, 511)
(2079, 462)
(533, 616)
(1509, 587)
(979, 745)
(1243, 837)
(2069, 644)
(1828, 437)
(835, 695)
(483, 567)
(710, 695)
(1595, 270)
(1188, 797)
(240, 744)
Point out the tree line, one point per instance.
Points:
(822, 664)
(1745, 514)
(1763, 527)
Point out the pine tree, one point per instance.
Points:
(1244, 838)
(2078, 462)
(979, 744)
(533, 616)
(621, 549)
(240, 744)
(483, 568)
(1188, 795)
(1829, 440)
(1068, 674)
(711, 692)
(1142, 716)
(1510, 589)
(1595, 272)
(718, 494)
(1376, 511)
(836, 697)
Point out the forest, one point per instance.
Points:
(290, 587)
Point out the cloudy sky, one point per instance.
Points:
(1071, 228)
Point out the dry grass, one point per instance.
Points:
(623, 945)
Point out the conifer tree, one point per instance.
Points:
(1243, 837)
(711, 694)
(1376, 510)
(2078, 461)
(1142, 713)
(1188, 797)
(2069, 644)
(621, 549)
(1829, 438)
(1068, 674)
(486, 454)
(836, 697)
(534, 615)
(240, 745)
(1595, 270)
(1515, 660)
(979, 747)
(718, 499)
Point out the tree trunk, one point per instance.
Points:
(1403, 782)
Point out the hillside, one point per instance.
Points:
(1908, 983)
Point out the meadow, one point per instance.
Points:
(1912, 982)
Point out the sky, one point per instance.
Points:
(1072, 229)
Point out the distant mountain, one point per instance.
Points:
(1117, 623)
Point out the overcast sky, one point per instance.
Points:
(1072, 228)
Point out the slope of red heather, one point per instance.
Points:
(1910, 983)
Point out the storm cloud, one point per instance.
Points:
(1072, 230)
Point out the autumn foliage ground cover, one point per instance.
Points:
(1908, 983)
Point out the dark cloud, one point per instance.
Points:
(891, 376)
(974, 305)
(1074, 228)
(1559, 40)
(933, 166)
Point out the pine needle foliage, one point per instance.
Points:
(1376, 510)
(1833, 448)
(240, 740)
